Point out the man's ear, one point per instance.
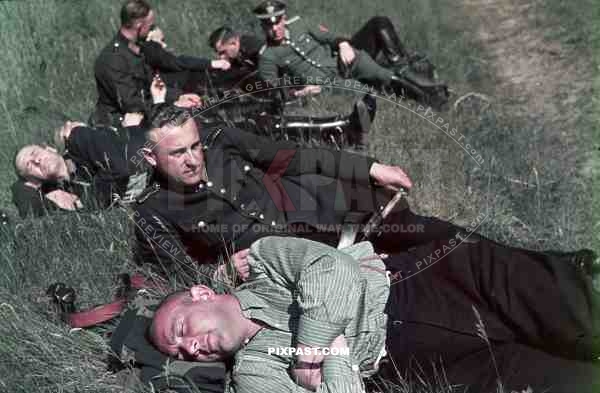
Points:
(149, 156)
(201, 292)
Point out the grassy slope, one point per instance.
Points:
(46, 73)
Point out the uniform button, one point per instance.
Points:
(201, 224)
(201, 186)
(308, 40)
(223, 191)
(234, 198)
(381, 207)
(273, 223)
(246, 168)
(242, 206)
(252, 214)
(262, 216)
(116, 44)
(209, 184)
(302, 52)
(287, 62)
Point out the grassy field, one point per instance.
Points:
(534, 184)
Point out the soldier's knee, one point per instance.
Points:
(380, 22)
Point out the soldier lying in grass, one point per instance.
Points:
(96, 166)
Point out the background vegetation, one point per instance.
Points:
(535, 187)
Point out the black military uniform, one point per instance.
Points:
(255, 187)
(112, 158)
(123, 82)
(106, 163)
(31, 201)
(123, 77)
(243, 67)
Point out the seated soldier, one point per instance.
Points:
(295, 49)
(125, 68)
(98, 164)
(240, 50)
(336, 319)
(243, 52)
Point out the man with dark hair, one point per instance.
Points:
(133, 11)
(235, 47)
(312, 317)
(227, 188)
(122, 76)
(125, 68)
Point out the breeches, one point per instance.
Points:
(538, 313)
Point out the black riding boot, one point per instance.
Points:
(392, 46)
(379, 36)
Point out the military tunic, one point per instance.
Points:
(112, 158)
(256, 187)
(123, 82)
(107, 162)
(311, 55)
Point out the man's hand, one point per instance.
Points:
(158, 89)
(132, 119)
(390, 177)
(240, 262)
(188, 101)
(307, 371)
(307, 91)
(347, 53)
(65, 200)
(158, 36)
(223, 65)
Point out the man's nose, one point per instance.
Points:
(192, 158)
(191, 346)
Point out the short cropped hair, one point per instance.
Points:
(223, 34)
(186, 299)
(133, 10)
(165, 115)
(19, 157)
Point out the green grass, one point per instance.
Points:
(534, 190)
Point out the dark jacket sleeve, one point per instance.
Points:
(250, 47)
(29, 200)
(159, 58)
(114, 75)
(159, 246)
(102, 150)
(277, 158)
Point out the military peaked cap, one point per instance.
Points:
(270, 11)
